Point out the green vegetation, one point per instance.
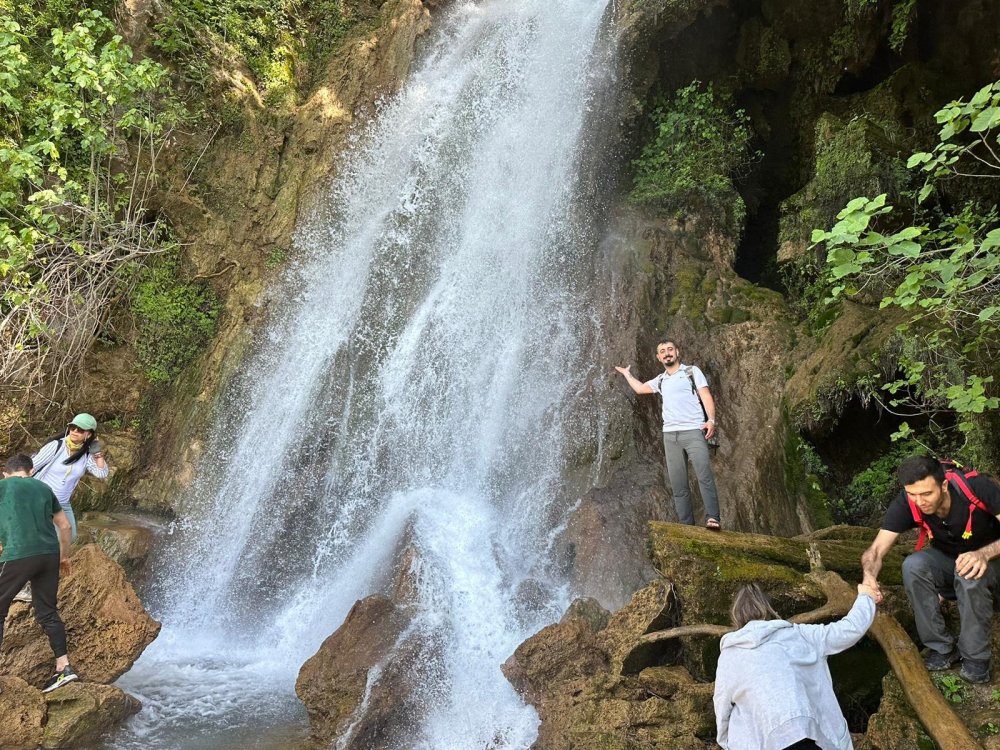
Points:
(951, 687)
(174, 319)
(805, 473)
(276, 257)
(939, 267)
(81, 126)
(902, 13)
(700, 143)
(268, 37)
(851, 156)
(869, 492)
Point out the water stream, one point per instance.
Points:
(426, 384)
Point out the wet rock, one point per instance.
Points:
(895, 724)
(602, 550)
(81, 712)
(572, 673)
(589, 611)
(22, 715)
(362, 663)
(106, 626)
(558, 653)
(125, 539)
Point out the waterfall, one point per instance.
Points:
(426, 383)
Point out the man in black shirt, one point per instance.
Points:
(960, 564)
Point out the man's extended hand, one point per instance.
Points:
(624, 370)
(972, 565)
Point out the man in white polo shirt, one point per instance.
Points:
(688, 424)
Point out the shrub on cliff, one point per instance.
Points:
(174, 318)
(700, 143)
(81, 125)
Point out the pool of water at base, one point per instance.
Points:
(209, 704)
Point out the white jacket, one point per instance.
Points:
(63, 478)
(773, 685)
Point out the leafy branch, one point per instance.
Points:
(941, 273)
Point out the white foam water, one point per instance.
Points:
(424, 386)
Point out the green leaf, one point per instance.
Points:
(986, 313)
(986, 120)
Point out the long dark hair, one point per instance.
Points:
(77, 455)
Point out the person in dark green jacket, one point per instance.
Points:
(34, 534)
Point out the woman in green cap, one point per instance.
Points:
(63, 460)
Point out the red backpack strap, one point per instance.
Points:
(958, 478)
(918, 518)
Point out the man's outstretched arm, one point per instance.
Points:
(871, 560)
(637, 385)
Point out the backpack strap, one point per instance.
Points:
(55, 455)
(688, 370)
(958, 478)
(925, 529)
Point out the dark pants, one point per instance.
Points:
(804, 745)
(930, 572)
(43, 573)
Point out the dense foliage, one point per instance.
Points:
(81, 127)
(700, 143)
(267, 36)
(174, 319)
(938, 270)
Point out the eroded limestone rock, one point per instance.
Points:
(124, 539)
(572, 672)
(81, 712)
(106, 625)
(22, 715)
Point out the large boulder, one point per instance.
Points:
(592, 689)
(125, 539)
(106, 625)
(362, 661)
(81, 712)
(22, 715)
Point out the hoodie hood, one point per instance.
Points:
(754, 633)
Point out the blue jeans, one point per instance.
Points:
(681, 446)
(68, 510)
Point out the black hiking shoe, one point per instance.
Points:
(66, 676)
(935, 661)
(975, 670)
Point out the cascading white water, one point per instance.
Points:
(423, 384)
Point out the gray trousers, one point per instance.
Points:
(930, 572)
(679, 447)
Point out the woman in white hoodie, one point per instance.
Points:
(773, 688)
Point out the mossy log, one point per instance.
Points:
(941, 723)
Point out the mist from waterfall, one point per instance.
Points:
(425, 387)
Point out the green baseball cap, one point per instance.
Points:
(84, 422)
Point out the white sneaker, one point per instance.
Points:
(24, 595)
